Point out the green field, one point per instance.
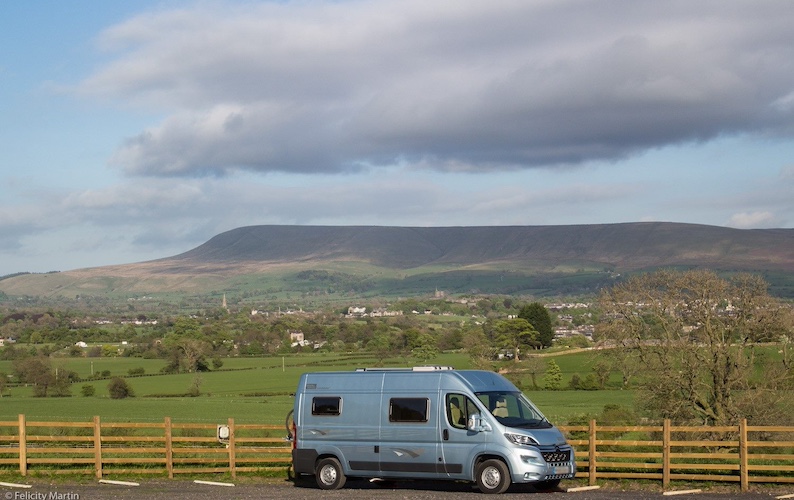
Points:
(250, 390)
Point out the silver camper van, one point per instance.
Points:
(424, 423)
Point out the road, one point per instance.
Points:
(160, 489)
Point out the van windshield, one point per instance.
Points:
(513, 409)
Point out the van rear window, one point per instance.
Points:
(326, 405)
(408, 409)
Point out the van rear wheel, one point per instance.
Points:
(493, 476)
(329, 474)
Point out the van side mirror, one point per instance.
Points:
(476, 424)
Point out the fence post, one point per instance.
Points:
(23, 446)
(591, 453)
(232, 458)
(744, 479)
(169, 449)
(666, 449)
(97, 448)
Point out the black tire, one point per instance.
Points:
(329, 474)
(492, 476)
(547, 485)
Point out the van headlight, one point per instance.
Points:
(521, 439)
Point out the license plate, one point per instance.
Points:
(562, 469)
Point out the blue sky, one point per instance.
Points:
(138, 130)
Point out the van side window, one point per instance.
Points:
(459, 408)
(324, 405)
(408, 409)
(456, 410)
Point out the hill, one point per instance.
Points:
(387, 261)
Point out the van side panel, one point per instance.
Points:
(353, 434)
(410, 448)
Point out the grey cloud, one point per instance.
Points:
(465, 86)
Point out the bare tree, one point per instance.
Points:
(695, 334)
(480, 351)
(534, 365)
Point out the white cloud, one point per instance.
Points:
(464, 85)
(753, 220)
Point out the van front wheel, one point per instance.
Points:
(493, 476)
(329, 474)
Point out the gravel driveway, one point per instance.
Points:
(249, 488)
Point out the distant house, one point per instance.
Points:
(356, 311)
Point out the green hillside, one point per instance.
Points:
(329, 263)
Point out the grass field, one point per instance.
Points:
(250, 390)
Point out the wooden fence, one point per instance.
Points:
(103, 448)
(741, 454)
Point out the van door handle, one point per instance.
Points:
(446, 435)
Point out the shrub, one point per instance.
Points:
(118, 388)
(88, 390)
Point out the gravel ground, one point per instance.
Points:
(249, 488)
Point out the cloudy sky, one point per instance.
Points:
(137, 130)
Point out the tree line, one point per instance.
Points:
(690, 343)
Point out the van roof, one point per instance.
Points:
(379, 378)
(408, 369)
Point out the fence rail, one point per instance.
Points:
(741, 454)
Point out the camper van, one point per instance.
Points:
(424, 423)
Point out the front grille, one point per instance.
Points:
(557, 456)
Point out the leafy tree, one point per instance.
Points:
(35, 370)
(88, 390)
(118, 388)
(425, 348)
(694, 334)
(553, 378)
(481, 352)
(381, 346)
(538, 316)
(195, 386)
(515, 334)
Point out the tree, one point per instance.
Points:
(480, 351)
(187, 354)
(426, 348)
(118, 388)
(381, 346)
(553, 378)
(694, 334)
(538, 316)
(515, 334)
(35, 370)
(534, 365)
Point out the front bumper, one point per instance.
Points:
(540, 464)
